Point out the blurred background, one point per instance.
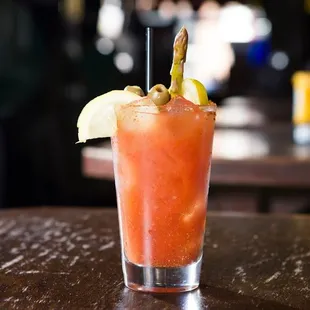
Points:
(57, 55)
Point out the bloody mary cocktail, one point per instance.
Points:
(162, 145)
(162, 167)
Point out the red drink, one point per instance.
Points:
(162, 167)
(162, 154)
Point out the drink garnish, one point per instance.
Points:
(98, 118)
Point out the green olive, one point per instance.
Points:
(135, 89)
(159, 94)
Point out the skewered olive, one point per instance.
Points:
(135, 89)
(159, 94)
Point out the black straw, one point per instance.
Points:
(149, 58)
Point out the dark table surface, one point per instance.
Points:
(56, 258)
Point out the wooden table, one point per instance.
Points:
(55, 258)
(257, 157)
(253, 146)
(255, 162)
(261, 168)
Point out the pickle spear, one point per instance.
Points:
(179, 58)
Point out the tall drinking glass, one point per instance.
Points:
(162, 167)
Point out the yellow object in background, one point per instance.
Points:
(301, 97)
(307, 6)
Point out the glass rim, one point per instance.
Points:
(211, 107)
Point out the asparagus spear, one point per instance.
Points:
(179, 58)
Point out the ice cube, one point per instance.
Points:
(139, 115)
(180, 104)
(196, 211)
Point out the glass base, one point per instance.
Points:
(162, 279)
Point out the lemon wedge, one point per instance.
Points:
(98, 117)
(194, 91)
